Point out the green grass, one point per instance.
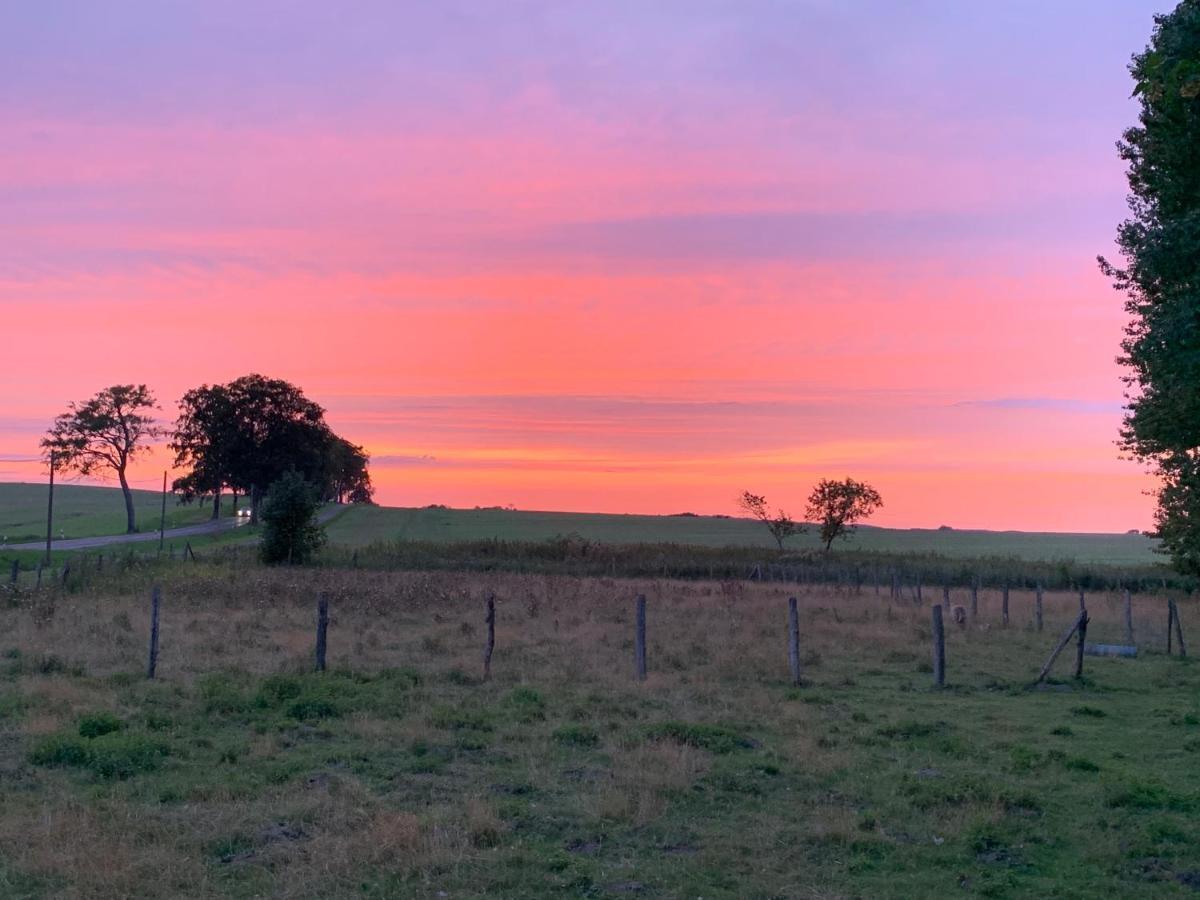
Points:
(401, 773)
(362, 526)
(84, 511)
(91, 511)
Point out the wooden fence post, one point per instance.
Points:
(1173, 624)
(152, 663)
(1128, 618)
(939, 648)
(39, 576)
(639, 646)
(66, 571)
(794, 640)
(975, 597)
(919, 599)
(946, 596)
(1081, 633)
(1037, 607)
(1062, 642)
(16, 572)
(489, 620)
(1004, 606)
(322, 628)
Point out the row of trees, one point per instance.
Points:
(836, 507)
(241, 437)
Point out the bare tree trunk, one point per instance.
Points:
(130, 525)
(254, 504)
(216, 514)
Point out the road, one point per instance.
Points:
(205, 528)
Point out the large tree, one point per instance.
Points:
(204, 440)
(104, 433)
(837, 506)
(1160, 242)
(247, 434)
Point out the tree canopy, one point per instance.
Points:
(104, 433)
(778, 523)
(1160, 242)
(248, 433)
(291, 533)
(839, 505)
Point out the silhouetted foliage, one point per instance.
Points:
(291, 533)
(838, 505)
(1161, 278)
(105, 432)
(779, 524)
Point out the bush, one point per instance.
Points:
(61, 750)
(713, 738)
(290, 530)
(96, 724)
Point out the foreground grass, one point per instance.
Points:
(238, 773)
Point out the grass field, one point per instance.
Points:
(399, 773)
(85, 511)
(90, 511)
(360, 526)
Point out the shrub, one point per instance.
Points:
(97, 724)
(123, 755)
(576, 736)
(290, 530)
(61, 750)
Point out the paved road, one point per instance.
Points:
(205, 528)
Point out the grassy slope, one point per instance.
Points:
(85, 511)
(400, 774)
(364, 525)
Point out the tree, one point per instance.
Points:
(839, 505)
(1160, 242)
(204, 439)
(291, 533)
(246, 434)
(778, 523)
(106, 432)
(347, 478)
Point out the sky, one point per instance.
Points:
(618, 256)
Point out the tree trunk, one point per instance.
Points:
(130, 525)
(216, 514)
(254, 504)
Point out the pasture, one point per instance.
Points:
(86, 511)
(239, 772)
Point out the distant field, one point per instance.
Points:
(360, 526)
(84, 511)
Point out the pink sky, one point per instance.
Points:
(593, 256)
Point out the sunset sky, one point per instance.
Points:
(612, 256)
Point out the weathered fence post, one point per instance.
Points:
(794, 640)
(895, 586)
(489, 619)
(1128, 618)
(322, 628)
(66, 572)
(639, 645)
(1037, 607)
(919, 600)
(946, 596)
(1004, 606)
(16, 572)
(1062, 642)
(39, 576)
(1082, 637)
(975, 597)
(1082, 605)
(939, 648)
(1173, 621)
(152, 663)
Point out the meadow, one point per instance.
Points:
(364, 525)
(400, 772)
(88, 511)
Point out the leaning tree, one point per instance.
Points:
(1160, 242)
(104, 433)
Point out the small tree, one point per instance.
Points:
(839, 505)
(779, 524)
(291, 533)
(105, 432)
